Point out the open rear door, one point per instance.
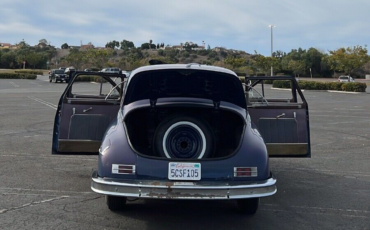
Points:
(86, 108)
(281, 115)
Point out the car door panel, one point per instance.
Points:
(80, 124)
(283, 123)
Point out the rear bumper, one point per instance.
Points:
(183, 190)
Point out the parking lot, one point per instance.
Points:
(43, 191)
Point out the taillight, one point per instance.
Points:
(245, 171)
(123, 169)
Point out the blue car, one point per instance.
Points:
(176, 131)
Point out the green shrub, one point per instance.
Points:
(354, 87)
(281, 84)
(268, 81)
(29, 72)
(17, 76)
(334, 86)
(316, 85)
(29, 76)
(242, 79)
(320, 85)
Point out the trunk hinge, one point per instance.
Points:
(153, 103)
(216, 104)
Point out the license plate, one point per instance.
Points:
(184, 171)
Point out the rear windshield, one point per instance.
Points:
(185, 83)
(59, 71)
(343, 77)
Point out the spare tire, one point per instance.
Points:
(183, 137)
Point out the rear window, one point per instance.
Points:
(59, 71)
(185, 83)
(343, 77)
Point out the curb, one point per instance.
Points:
(334, 91)
(285, 89)
(329, 91)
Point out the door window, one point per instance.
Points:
(94, 86)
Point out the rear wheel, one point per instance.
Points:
(184, 137)
(248, 206)
(116, 203)
(49, 79)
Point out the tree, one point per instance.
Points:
(127, 45)
(158, 46)
(76, 58)
(297, 67)
(262, 63)
(34, 59)
(23, 44)
(112, 44)
(348, 59)
(98, 58)
(150, 43)
(235, 62)
(313, 60)
(8, 60)
(189, 46)
(146, 46)
(44, 41)
(64, 46)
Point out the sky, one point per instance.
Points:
(234, 24)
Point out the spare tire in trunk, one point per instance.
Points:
(184, 137)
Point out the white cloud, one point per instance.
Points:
(238, 24)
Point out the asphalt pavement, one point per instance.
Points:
(38, 190)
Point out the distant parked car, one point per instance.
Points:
(111, 70)
(345, 79)
(62, 68)
(58, 75)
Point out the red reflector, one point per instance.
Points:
(245, 171)
(123, 169)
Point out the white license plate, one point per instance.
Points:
(184, 171)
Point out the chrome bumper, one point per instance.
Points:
(184, 190)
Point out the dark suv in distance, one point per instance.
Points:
(58, 75)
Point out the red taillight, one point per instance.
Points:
(245, 171)
(123, 169)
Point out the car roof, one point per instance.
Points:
(192, 66)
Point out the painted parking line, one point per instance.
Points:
(43, 102)
(13, 84)
(2, 211)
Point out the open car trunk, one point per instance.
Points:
(142, 125)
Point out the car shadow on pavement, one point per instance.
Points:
(188, 214)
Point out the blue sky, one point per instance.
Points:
(236, 24)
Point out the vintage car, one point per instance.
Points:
(181, 132)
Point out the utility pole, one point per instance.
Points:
(272, 68)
